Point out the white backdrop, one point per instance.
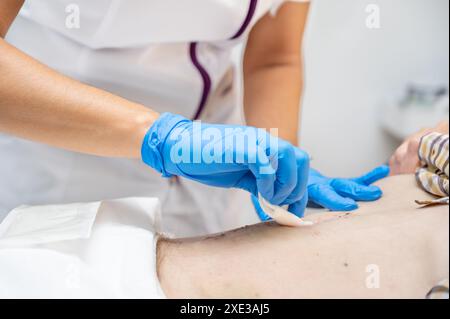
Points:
(352, 69)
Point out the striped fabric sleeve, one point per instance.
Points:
(433, 151)
(433, 176)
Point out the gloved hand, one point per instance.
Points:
(336, 194)
(340, 194)
(296, 207)
(228, 157)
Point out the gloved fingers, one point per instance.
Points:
(266, 185)
(315, 173)
(262, 215)
(298, 208)
(287, 173)
(325, 196)
(263, 169)
(358, 192)
(303, 170)
(248, 184)
(374, 175)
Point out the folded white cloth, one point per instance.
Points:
(98, 250)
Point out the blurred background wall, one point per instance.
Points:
(352, 70)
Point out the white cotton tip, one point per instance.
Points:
(281, 215)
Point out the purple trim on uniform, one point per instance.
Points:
(248, 19)
(207, 83)
(205, 76)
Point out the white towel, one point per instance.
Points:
(99, 250)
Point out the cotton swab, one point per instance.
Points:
(282, 216)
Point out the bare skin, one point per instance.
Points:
(39, 104)
(273, 71)
(9, 10)
(408, 245)
(406, 159)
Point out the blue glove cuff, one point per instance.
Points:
(152, 146)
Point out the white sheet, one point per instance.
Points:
(98, 250)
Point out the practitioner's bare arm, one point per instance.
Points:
(408, 245)
(40, 104)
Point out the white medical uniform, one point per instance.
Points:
(95, 250)
(171, 55)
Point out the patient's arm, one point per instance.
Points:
(406, 158)
(409, 246)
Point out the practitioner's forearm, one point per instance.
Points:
(8, 12)
(40, 104)
(273, 71)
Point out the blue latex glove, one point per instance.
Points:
(335, 194)
(340, 194)
(208, 154)
(295, 207)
